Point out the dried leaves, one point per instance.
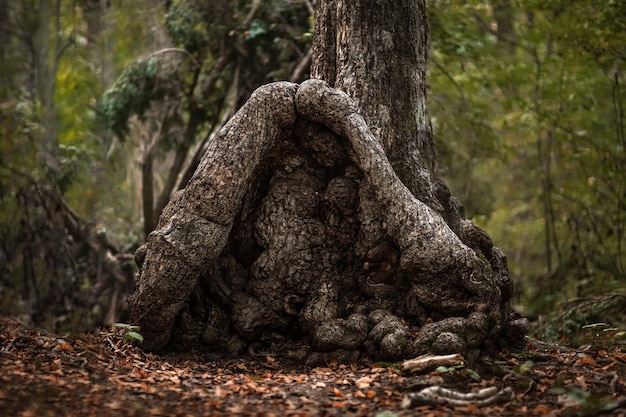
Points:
(101, 374)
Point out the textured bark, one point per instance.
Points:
(194, 227)
(376, 52)
(312, 258)
(305, 232)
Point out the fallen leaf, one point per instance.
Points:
(359, 394)
(587, 360)
(220, 392)
(364, 382)
(338, 393)
(472, 408)
(65, 347)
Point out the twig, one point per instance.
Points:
(427, 363)
(176, 50)
(437, 395)
(310, 7)
(253, 9)
(302, 66)
(613, 382)
(451, 78)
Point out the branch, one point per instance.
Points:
(302, 66)
(310, 7)
(437, 395)
(499, 35)
(451, 78)
(170, 184)
(175, 50)
(253, 9)
(213, 76)
(427, 363)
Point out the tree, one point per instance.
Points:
(178, 97)
(58, 265)
(316, 215)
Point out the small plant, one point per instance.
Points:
(603, 336)
(131, 333)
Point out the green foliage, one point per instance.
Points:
(462, 367)
(603, 336)
(527, 105)
(186, 25)
(580, 323)
(53, 155)
(524, 368)
(133, 93)
(582, 403)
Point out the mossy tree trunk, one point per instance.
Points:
(315, 224)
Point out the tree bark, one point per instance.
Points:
(376, 52)
(308, 232)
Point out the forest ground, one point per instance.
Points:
(102, 374)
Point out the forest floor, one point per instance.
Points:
(102, 374)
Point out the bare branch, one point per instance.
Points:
(309, 6)
(253, 9)
(451, 78)
(427, 363)
(175, 50)
(302, 66)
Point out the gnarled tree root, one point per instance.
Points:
(194, 230)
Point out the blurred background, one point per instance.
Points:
(107, 105)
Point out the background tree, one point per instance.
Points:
(59, 267)
(538, 87)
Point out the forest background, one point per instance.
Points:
(107, 105)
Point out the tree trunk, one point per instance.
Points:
(376, 52)
(308, 232)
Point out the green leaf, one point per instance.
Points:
(134, 336)
(524, 368)
(473, 374)
(256, 29)
(127, 326)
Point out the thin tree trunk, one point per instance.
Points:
(147, 193)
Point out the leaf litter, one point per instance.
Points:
(103, 374)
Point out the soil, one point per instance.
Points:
(104, 374)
